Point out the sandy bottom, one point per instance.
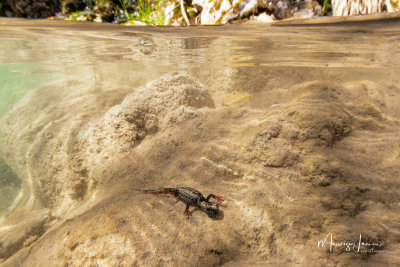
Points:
(322, 162)
(306, 158)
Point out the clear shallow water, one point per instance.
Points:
(86, 69)
(128, 54)
(17, 79)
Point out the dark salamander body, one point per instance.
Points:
(191, 197)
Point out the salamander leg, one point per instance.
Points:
(217, 198)
(187, 211)
(167, 191)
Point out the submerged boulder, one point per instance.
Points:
(66, 148)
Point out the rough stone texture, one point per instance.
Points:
(315, 151)
(150, 109)
(22, 231)
(288, 180)
(236, 98)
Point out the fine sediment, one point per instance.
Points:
(316, 162)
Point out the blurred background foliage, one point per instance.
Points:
(147, 12)
(131, 12)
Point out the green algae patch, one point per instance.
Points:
(16, 80)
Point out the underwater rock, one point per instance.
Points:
(290, 169)
(152, 108)
(85, 140)
(23, 228)
(236, 98)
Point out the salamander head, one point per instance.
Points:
(210, 208)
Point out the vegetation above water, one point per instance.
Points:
(141, 12)
(188, 12)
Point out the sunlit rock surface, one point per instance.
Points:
(296, 152)
(351, 7)
(204, 12)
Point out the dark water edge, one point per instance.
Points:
(10, 185)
